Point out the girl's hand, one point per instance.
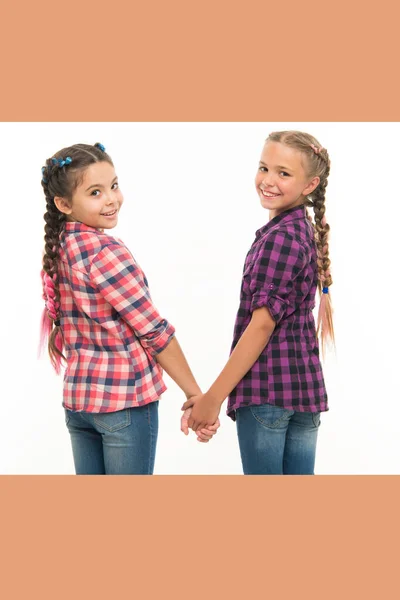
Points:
(205, 411)
(203, 435)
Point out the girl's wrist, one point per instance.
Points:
(215, 397)
(195, 391)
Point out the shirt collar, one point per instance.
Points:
(293, 214)
(72, 226)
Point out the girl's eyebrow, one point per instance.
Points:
(98, 185)
(280, 167)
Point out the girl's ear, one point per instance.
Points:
(311, 186)
(62, 205)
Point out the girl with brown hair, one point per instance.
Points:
(100, 317)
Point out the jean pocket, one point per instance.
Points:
(316, 417)
(113, 421)
(271, 416)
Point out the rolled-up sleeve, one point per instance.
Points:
(121, 282)
(278, 264)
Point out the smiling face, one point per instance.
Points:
(96, 200)
(282, 181)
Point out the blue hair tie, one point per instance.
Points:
(57, 161)
(325, 290)
(100, 146)
(61, 162)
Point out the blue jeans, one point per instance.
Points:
(277, 441)
(115, 443)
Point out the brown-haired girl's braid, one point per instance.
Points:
(318, 164)
(60, 177)
(51, 291)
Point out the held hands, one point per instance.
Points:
(204, 413)
(203, 435)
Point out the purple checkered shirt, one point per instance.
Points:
(280, 272)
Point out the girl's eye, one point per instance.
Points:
(285, 174)
(95, 193)
(263, 169)
(114, 186)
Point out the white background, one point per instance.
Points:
(189, 217)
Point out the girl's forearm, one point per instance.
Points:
(173, 361)
(246, 352)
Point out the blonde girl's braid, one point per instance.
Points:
(322, 228)
(60, 177)
(318, 164)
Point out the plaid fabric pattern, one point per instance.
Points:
(280, 272)
(112, 330)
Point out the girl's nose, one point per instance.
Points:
(267, 180)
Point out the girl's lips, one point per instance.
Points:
(109, 214)
(269, 194)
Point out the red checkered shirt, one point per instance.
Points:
(112, 331)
